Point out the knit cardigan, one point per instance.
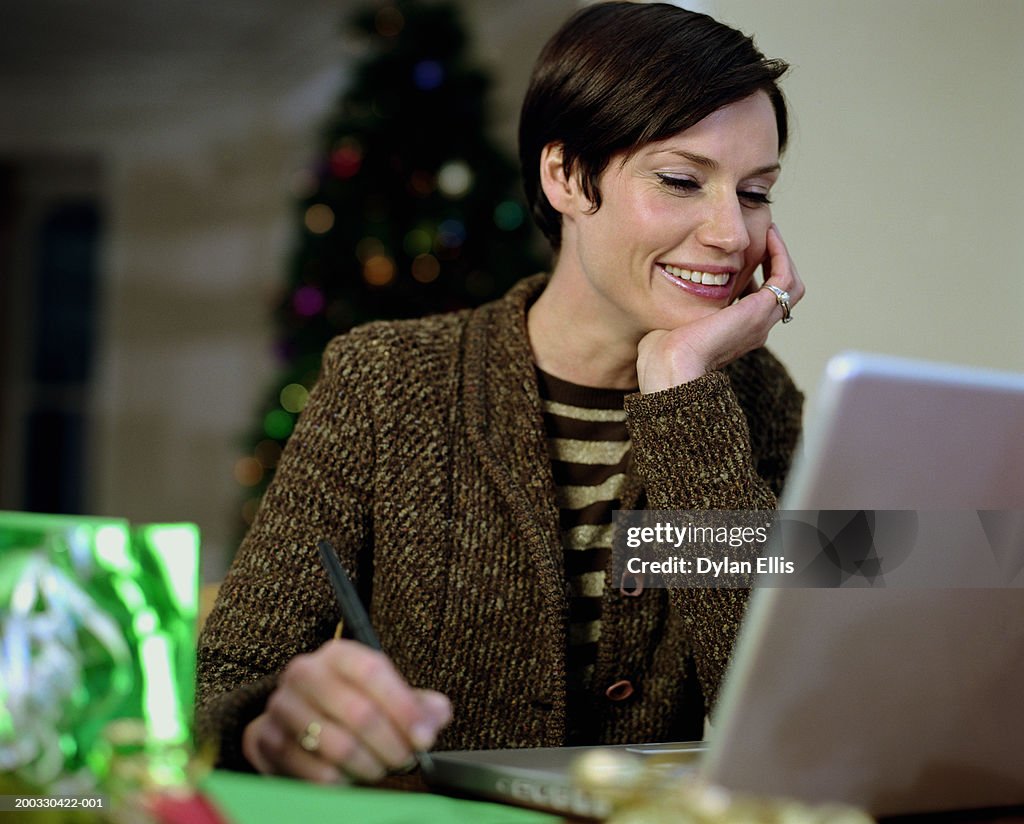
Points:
(422, 457)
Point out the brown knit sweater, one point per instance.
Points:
(422, 456)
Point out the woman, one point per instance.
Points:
(466, 466)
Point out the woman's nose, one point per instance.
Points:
(724, 226)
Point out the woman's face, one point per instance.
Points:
(682, 224)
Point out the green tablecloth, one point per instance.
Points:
(252, 799)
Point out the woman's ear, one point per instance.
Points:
(561, 191)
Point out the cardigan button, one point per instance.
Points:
(631, 585)
(619, 691)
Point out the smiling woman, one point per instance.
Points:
(466, 466)
(681, 125)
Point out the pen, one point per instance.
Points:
(354, 615)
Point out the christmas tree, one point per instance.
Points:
(410, 209)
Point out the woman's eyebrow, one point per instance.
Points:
(712, 164)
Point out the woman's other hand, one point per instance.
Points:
(667, 358)
(343, 712)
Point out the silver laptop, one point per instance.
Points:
(899, 700)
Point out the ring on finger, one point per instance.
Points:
(309, 738)
(781, 298)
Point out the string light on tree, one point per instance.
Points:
(428, 75)
(308, 301)
(278, 424)
(509, 215)
(267, 453)
(294, 397)
(248, 471)
(379, 270)
(418, 241)
(346, 159)
(422, 184)
(425, 268)
(455, 179)
(319, 218)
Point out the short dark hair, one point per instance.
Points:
(618, 76)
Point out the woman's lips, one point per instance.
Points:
(716, 285)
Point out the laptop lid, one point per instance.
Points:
(897, 699)
(896, 433)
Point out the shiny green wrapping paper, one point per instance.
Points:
(97, 623)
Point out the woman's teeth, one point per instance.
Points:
(697, 277)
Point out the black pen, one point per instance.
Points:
(354, 615)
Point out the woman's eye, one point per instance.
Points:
(682, 184)
(756, 198)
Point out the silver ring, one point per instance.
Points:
(309, 740)
(781, 298)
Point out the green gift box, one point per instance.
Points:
(97, 623)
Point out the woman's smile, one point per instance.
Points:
(702, 275)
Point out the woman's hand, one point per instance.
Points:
(343, 712)
(667, 358)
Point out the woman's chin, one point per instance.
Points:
(677, 320)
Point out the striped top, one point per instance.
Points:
(589, 447)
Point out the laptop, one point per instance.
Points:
(898, 700)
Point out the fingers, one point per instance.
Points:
(779, 273)
(273, 749)
(401, 705)
(356, 744)
(751, 287)
(343, 712)
(779, 269)
(436, 705)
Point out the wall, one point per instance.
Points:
(198, 241)
(198, 120)
(900, 196)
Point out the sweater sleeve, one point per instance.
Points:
(276, 601)
(723, 441)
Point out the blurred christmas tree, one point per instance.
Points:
(410, 209)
